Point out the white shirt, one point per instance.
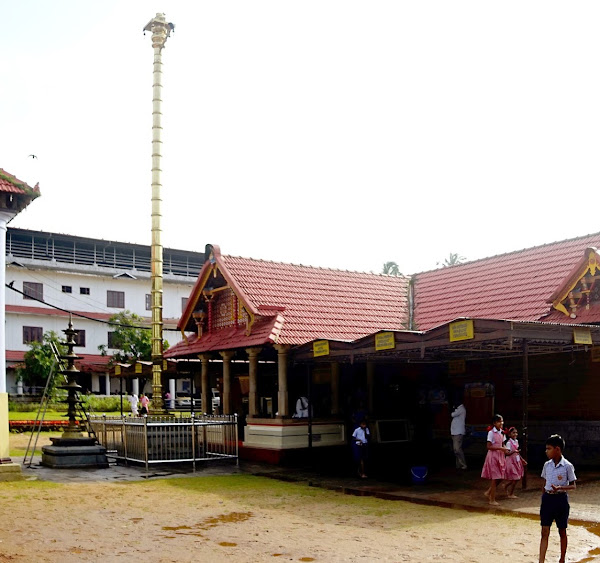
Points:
(361, 434)
(559, 475)
(459, 416)
(490, 436)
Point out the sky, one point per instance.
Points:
(339, 134)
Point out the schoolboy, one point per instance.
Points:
(559, 475)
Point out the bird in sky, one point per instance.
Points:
(32, 156)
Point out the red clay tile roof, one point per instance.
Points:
(88, 362)
(322, 303)
(515, 286)
(312, 302)
(11, 184)
(265, 331)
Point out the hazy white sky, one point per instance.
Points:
(331, 133)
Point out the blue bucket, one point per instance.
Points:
(418, 474)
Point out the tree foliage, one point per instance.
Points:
(452, 260)
(39, 361)
(131, 339)
(391, 269)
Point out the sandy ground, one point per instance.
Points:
(243, 518)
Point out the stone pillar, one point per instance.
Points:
(370, 387)
(19, 387)
(107, 382)
(95, 383)
(335, 388)
(135, 386)
(204, 389)
(226, 398)
(253, 407)
(172, 392)
(282, 396)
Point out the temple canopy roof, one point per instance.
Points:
(238, 302)
(241, 302)
(527, 285)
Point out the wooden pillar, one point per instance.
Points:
(335, 388)
(226, 398)
(253, 409)
(204, 388)
(282, 396)
(370, 387)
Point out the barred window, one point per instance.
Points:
(115, 299)
(32, 334)
(33, 290)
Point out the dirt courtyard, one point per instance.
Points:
(244, 518)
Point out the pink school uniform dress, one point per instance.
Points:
(514, 464)
(494, 464)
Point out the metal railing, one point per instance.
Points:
(157, 439)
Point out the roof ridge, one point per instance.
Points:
(401, 276)
(508, 253)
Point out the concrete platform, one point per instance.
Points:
(11, 472)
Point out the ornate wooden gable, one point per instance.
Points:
(581, 289)
(215, 303)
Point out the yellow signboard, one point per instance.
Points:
(117, 370)
(321, 348)
(385, 341)
(461, 330)
(138, 368)
(457, 366)
(582, 336)
(596, 354)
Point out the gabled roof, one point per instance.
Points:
(309, 302)
(517, 285)
(11, 184)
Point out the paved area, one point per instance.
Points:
(449, 488)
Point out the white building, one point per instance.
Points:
(95, 278)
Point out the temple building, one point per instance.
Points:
(300, 352)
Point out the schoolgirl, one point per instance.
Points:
(514, 462)
(495, 463)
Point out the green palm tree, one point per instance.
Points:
(453, 259)
(391, 269)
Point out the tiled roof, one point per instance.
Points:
(515, 286)
(11, 184)
(265, 331)
(87, 362)
(322, 303)
(311, 302)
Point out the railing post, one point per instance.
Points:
(193, 441)
(124, 439)
(235, 438)
(146, 441)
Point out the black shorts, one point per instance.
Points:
(555, 507)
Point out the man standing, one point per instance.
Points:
(457, 429)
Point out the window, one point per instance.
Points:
(111, 341)
(115, 299)
(84, 290)
(80, 338)
(32, 334)
(184, 302)
(67, 289)
(148, 301)
(33, 290)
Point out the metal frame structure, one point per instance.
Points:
(166, 439)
